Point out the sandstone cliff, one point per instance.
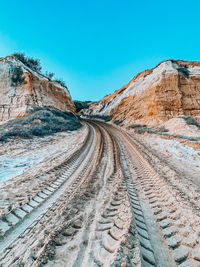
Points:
(35, 91)
(156, 95)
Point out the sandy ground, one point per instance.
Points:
(23, 161)
(181, 153)
(185, 158)
(109, 217)
(19, 155)
(178, 126)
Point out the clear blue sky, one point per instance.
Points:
(96, 46)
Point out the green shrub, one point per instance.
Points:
(49, 75)
(190, 121)
(102, 117)
(17, 76)
(35, 65)
(144, 129)
(137, 126)
(81, 105)
(184, 71)
(117, 122)
(39, 122)
(61, 82)
(30, 62)
(163, 131)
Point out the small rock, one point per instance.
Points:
(68, 232)
(59, 242)
(180, 253)
(77, 224)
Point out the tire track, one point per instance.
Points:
(113, 220)
(186, 187)
(111, 228)
(79, 231)
(117, 211)
(68, 180)
(177, 229)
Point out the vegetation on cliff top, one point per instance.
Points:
(35, 65)
(30, 62)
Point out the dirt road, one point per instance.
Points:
(113, 203)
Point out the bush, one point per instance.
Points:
(184, 71)
(137, 126)
(117, 122)
(163, 131)
(144, 129)
(102, 117)
(30, 62)
(190, 121)
(61, 82)
(39, 122)
(17, 76)
(49, 75)
(81, 105)
(35, 65)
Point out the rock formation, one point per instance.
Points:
(35, 91)
(156, 95)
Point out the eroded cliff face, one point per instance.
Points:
(169, 90)
(35, 91)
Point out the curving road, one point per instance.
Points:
(111, 206)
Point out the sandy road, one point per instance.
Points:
(110, 207)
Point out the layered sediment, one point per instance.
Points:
(156, 95)
(35, 91)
